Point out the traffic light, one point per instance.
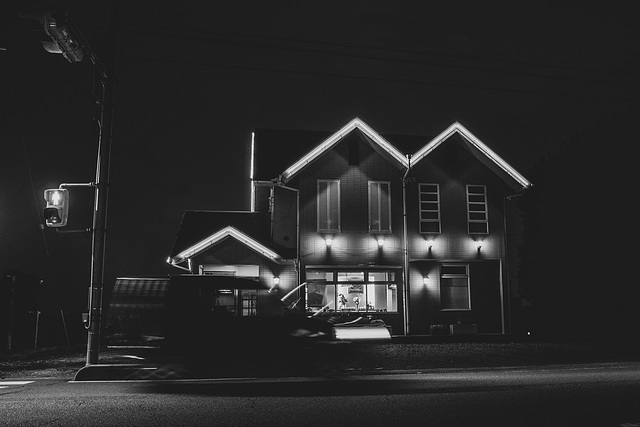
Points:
(57, 209)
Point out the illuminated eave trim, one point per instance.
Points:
(473, 140)
(335, 138)
(219, 236)
(252, 190)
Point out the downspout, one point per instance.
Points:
(272, 196)
(279, 183)
(405, 287)
(504, 268)
(505, 288)
(299, 270)
(297, 261)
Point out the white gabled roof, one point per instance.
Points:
(471, 139)
(337, 137)
(217, 237)
(479, 147)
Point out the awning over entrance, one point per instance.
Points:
(149, 293)
(139, 293)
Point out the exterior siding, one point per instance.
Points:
(453, 168)
(455, 242)
(232, 252)
(354, 245)
(486, 300)
(354, 162)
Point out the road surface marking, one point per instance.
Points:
(5, 384)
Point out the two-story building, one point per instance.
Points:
(399, 228)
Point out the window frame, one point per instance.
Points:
(465, 276)
(422, 211)
(328, 208)
(365, 285)
(472, 201)
(379, 210)
(248, 299)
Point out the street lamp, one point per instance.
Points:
(63, 40)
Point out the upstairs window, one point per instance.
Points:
(328, 205)
(429, 208)
(379, 207)
(477, 213)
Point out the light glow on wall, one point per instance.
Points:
(456, 127)
(477, 246)
(337, 137)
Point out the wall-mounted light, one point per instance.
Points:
(276, 281)
(429, 244)
(425, 280)
(479, 245)
(380, 242)
(328, 241)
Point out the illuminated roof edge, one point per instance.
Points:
(220, 235)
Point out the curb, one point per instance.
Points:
(112, 372)
(138, 372)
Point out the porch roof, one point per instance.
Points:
(200, 230)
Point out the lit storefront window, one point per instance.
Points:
(355, 291)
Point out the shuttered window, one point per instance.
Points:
(477, 210)
(379, 207)
(328, 205)
(429, 208)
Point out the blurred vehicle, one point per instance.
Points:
(223, 324)
(356, 328)
(210, 321)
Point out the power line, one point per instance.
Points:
(380, 79)
(328, 48)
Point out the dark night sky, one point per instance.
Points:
(194, 78)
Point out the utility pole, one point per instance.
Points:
(69, 41)
(106, 76)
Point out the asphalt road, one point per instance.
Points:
(414, 355)
(602, 394)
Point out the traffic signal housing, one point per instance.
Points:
(56, 212)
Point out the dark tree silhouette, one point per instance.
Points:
(579, 241)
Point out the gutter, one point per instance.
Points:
(279, 183)
(405, 233)
(505, 282)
